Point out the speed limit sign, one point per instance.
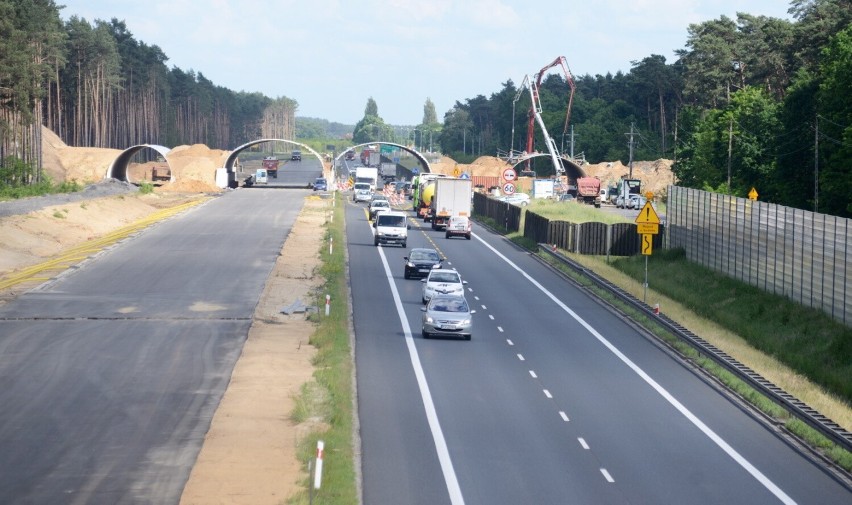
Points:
(509, 188)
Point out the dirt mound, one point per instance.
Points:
(656, 176)
(82, 164)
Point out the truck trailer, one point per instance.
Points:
(367, 174)
(387, 171)
(452, 198)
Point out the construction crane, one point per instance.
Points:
(534, 114)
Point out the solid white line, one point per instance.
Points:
(606, 475)
(709, 433)
(583, 443)
(532, 373)
(450, 478)
(547, 393)
(564, 416)
(521, 357)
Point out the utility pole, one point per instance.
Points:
(630, 145)
(816, 163)
(572, 142)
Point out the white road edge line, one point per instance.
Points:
(730, 451)
(450, 478)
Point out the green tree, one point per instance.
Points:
(430, 117)
(372, 109)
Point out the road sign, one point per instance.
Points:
(647, 228)
(509, 175)
(647, 245)
(752, 195)
(456, 171)
(509, 188)
(647, 215)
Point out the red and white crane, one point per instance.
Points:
(534, 114)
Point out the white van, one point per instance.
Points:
(390, 228)
(260, 177)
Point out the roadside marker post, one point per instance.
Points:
(327, 304)
(330, 244)
(318, 471)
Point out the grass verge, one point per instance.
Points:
(330, 396)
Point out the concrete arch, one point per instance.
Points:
(232, 157)
(118, 168)
(572, 170)
(416, 154)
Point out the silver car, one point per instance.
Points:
(447, 316)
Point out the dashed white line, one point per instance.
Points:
(606, 475)
(583, 443)
(564, 416)
(491, 317)
(521, 357)
(475, 297)
(547, 394)
(500, 329)
(698, 423)
(484, 307)
(509, 342)
(532, 373)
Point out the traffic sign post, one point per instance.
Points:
(647, 225)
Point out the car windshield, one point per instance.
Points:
(424, 256)
(449, 305)
(380, 203)
(395, 221)
(444, 277)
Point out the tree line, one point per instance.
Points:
(750, 102)
(95, 85)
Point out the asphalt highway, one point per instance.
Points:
(556, 399)
(111, 373)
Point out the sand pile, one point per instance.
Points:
(83, 164)
(194, 168)
(655, 175)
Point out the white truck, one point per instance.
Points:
(452, 198)
(374, 159)
(367, 174)
(387, 171)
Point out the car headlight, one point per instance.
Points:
(409, 264)
(429, 319)
(464, 322)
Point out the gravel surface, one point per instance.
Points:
(108, 187)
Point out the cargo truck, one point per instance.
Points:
(452, 198)
(627, 187)
(589, 190)
(367, 174)
(387, 171)
(270, 163)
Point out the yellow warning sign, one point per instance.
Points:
(648, 228)
(647, 244)
(647, 215)
(456, 171)
(752, 195)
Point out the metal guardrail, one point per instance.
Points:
(794, 406)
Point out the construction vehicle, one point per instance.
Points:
(534, 114)
(270, 164)
(161, 174)
(423, 189)
(627, 187)
(589, 190)
(452, 197)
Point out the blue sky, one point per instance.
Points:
(332, 55)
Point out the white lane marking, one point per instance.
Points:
(450, 478)
(475, 297)
(532, 373)
(509, 342)
(606, 475)
(547, 393)
(521, 357)
(709, 433)
(564, 416)
(583, 443)
(491, 317)
(500, 329)
(484, 307)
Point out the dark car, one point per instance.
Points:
(421, 261)
(320, 184)
(296, 156)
